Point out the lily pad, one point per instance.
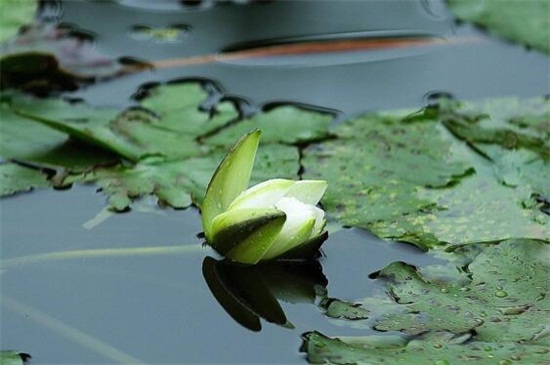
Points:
(14, 15)
(13, 358)
(428, 178)
(495, 310)
(336, 308)
(526, 22)
(439, 349)
(25, 140)
(163, 147)
(45, 57)
(506, 297)
(16, 178)
(275, 124)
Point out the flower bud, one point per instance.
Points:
(277, 218)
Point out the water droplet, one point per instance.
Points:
(444, 290)
(501, 294)
(438, 345)
(479, 321)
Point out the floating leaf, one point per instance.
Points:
(15, 178)
(169, 128)
(162, 146)
(15, 14)
(25, 140)
(526, 22)
(496, 310)
(439, 349)
(46, 57)
(13, 358)
(275, 124)
(506, 297)
(336, 308)
(405, 177)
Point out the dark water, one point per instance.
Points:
(158, 308)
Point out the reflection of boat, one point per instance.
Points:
(248, 293)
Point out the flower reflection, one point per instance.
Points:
(248, 293)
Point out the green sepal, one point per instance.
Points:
(307, 250)
(253, 248)
(229, 180)
(231, 228)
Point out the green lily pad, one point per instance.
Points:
(15, 178)
(14, 15)
(505, 297)
(168, 131)
(162, 147)
(494, 312)
(438, 349)
(25, 140)
(13, 358)
(307, 126)
(336, 308)
(440, 175)
(526, 22)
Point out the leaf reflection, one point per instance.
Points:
(248, 293)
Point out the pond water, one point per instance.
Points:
(156, 307)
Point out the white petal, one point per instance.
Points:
(298, 227)
(308, 191)
(320, 221)
(262, 195)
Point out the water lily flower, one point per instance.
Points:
(277, 218)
